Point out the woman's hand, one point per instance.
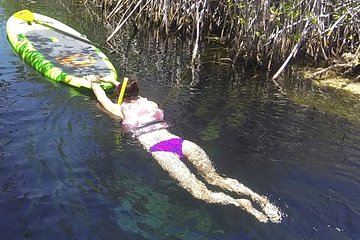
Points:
(93, 80)
(96, 80)
(111, 81)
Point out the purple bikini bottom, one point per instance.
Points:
(173, 145)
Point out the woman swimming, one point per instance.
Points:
(145, 120)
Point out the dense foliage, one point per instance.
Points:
(269, 32)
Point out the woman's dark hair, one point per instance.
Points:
(131, 90)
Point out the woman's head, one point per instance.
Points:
(131, 91)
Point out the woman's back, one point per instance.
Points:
(140, 112)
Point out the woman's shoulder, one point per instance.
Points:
(140, 101)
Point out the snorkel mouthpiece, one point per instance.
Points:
(122, 91)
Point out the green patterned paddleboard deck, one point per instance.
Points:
(58, 56)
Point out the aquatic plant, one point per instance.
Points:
(264, 31)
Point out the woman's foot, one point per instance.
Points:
(247, 206)
(271, 211)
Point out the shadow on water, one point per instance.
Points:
(69, 171)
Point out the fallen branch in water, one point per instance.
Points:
(324, 70)
(293, 52)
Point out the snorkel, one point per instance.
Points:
(122, 91)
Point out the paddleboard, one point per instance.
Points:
(61, 57)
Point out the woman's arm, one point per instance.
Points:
(100, 94)
(111, 81)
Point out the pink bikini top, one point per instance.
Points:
(139, 113)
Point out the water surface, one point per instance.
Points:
(69, 172)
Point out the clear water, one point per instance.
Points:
(69, 172)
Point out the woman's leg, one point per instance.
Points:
(201, 161)
(178, 170)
